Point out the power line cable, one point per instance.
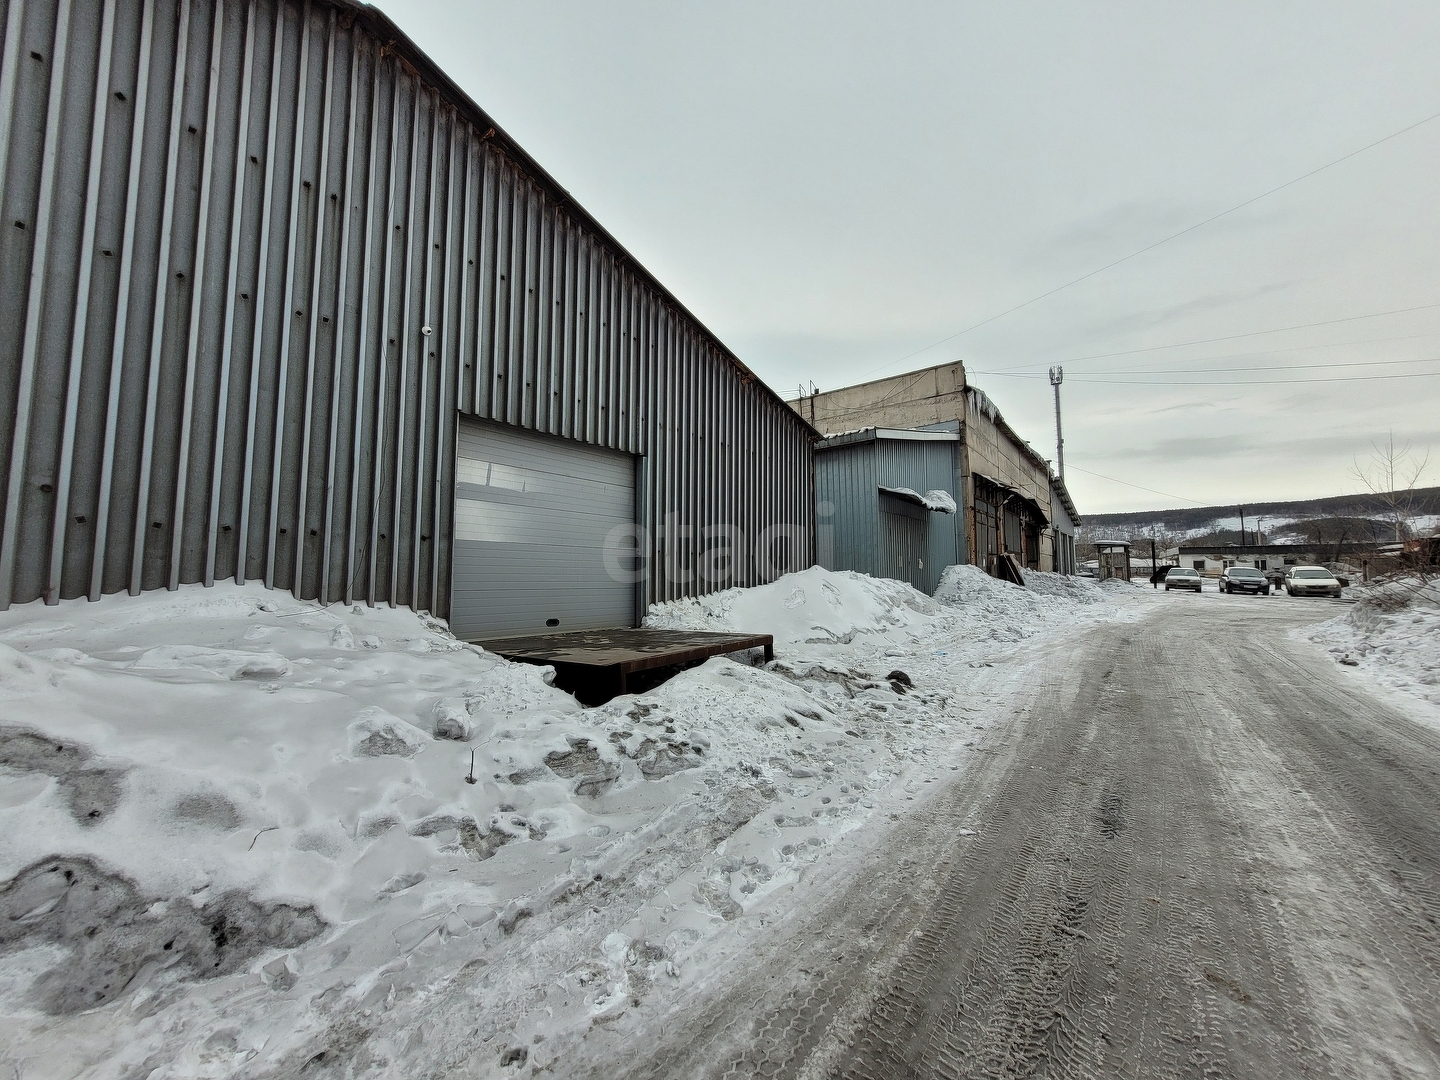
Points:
(1244, 382)
(1137, 487)
(1201, 371)
(1235, 337)
(1158, 243)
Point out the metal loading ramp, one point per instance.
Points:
(597, 665)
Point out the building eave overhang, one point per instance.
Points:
(865, 435)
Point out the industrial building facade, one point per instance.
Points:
(279, 302)
(1011, 504)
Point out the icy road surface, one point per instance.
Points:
(1201, 847)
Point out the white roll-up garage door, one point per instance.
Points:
(532, 514)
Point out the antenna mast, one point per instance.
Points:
(1057, 376)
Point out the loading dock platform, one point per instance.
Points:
(597, 665)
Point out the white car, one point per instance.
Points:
(1311, 581)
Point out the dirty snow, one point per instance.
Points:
(240, 833)
(1391, 636)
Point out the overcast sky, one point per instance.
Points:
(834, 187)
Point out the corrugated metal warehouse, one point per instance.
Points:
(279, 302)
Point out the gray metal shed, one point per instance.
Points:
(266, 273)
(873, 513)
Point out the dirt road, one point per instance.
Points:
(1200, 850)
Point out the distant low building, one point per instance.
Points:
(1212, 559)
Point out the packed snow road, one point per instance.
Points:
(1200, 849)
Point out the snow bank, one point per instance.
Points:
(990, 609)
(1391, 635)
(815, 606)
(327, 830)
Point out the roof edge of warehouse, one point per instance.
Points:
(400, 44)
(1059, 485)
(871, 434)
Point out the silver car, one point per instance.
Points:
(1311, 581)
(1179, 577)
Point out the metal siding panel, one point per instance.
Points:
(316, 238)
(487, 266)
(368, 190)
(261, 308)
(122, 305)
(227, 337)
(395, 550)
(80, 327)
(427, 351)
(144, 477)
(24, 394)
(197, 296)
(280, 418)
(447, 371)
(568, 308)
(381, 382)
(465, 333)
(331, 539)
(9, 81)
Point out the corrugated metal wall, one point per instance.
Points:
(927, 466)
(848, 478)
(849, 506)
(254, 257)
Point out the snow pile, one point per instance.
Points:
(935, 499)
(814, 606)
(340, 835)
(988, 608)
(1118, 584)
(1392, 634)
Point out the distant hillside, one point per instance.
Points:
(1355, 517)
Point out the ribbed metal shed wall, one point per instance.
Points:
(849, 472)
(256, 256)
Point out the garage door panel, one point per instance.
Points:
(516, 470)
(532, 514)
(514, 463)
(592, 499)
(507, 525)
(512, 566)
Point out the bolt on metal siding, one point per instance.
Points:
(255, 257)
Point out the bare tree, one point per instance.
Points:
(1391, 476)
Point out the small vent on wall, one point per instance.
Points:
(552, 622)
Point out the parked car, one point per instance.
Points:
(1235, 579)
(1179, 577)
(1311, 581)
